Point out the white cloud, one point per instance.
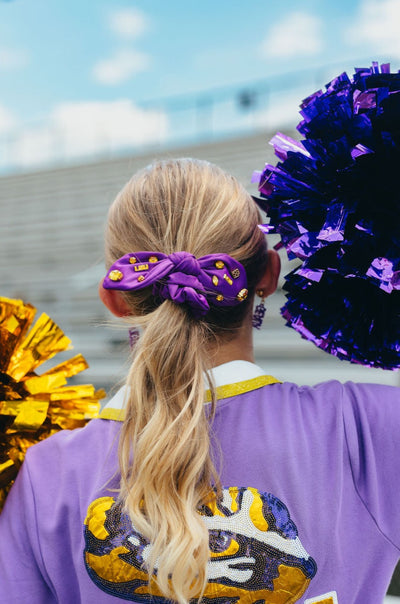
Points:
(7, 120)
(129, 23)
(282, 110)
(296, 35)
(376, 27)
(33, 146)
(122, 66)
(12, 59)
(88, 128)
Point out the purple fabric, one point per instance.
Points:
(181, 277)
(381, 269)
(330, 454)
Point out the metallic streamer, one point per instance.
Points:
(32, 406)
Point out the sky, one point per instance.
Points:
(96, 70)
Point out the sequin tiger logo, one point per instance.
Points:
(255, 552)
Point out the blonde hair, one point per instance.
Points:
(167, 471)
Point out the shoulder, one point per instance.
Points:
(282, 395)
(335, 393)
(321, 408)
(371, 411)
(72, 461)
(74, 445)
(373, 402)
(372, 394)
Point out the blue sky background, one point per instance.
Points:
(85, 67)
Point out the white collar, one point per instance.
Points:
(227, 373)
(234, 372)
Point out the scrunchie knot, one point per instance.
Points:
(185, 263)
(181, 284)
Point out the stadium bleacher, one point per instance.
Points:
(51, 248)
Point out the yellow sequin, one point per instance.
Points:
(242, 295)
(116, 276)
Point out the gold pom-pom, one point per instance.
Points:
(32, 406)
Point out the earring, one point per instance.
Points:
(133, 336)
(260, 310)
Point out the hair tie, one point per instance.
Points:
(216, 279)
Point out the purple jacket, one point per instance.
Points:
(310, 511)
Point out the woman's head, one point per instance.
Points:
(192, 206)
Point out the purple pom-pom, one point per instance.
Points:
(334, 198)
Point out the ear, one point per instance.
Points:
(114, 301)
(269, 281)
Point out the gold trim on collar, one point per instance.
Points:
(117, 415)
(222, 392)
(241, 387)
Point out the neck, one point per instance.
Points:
(239, 347)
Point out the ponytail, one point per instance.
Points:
(167, 430)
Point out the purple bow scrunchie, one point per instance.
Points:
(218, 279)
